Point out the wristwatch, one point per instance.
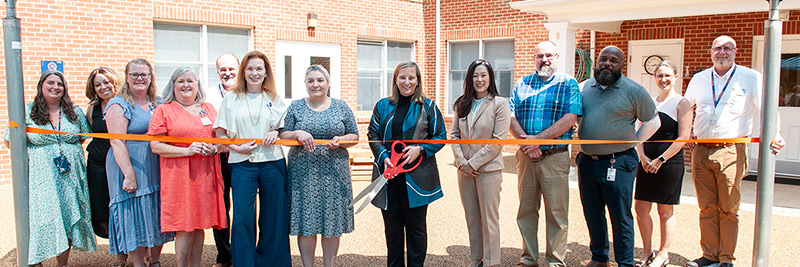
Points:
(662, 159)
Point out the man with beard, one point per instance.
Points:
(612, 104)
(227, 67)
(728, 97)
(544, 105)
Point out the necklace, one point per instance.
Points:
(192, 109)
(247, 100)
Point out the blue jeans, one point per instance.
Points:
(268, 180)
(597, 194)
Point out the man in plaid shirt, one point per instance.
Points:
(544, 105)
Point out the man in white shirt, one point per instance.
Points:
(728, 97)
(227, 68)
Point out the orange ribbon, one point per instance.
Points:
(292, 142)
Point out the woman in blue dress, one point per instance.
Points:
(60, 219)
(133, 170)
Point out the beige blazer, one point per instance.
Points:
(491, 122)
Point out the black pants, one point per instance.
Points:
(404, 226)
(222, 237)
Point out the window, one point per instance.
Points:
(196, 46)
(375, 67)
(500, 53)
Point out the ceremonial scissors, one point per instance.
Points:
(373, 188)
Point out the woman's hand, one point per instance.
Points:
(244, 149)
(645, 161)
(209, 149)
(411, 154)
(270, 138)
(306, 140)
(468, 171)
(194, 148)
(334, 144)
(653, 166)
(129, 184)
(387, 163)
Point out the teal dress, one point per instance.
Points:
(58, 203)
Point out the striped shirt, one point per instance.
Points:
(539, 104)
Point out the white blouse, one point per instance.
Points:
(252, 116)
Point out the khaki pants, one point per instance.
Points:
(481, 199)
(548, 179)
(718, 174)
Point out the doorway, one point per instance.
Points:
(786, 163)
(293, 58)
(650, 53)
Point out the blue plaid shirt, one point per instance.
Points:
(539, 104)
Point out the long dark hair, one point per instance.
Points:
(39, 111)
(463, 104)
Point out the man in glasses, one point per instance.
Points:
(612, 104)
(728, 97)
(544, 105)
(227, 69)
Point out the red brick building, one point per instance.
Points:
(361, 41)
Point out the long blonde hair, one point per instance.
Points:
(125, 91)
(418, 96)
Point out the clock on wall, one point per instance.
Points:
(651, 64)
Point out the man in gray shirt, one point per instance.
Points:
(612, 104)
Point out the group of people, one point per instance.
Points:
(142, 194)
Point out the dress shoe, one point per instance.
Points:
(597, 264)
(726, 264)
(702, 261)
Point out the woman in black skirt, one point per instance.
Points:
(660, 176)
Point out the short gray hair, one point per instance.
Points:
(169, 90)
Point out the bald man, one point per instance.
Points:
(728, 97)
(612, 104)
(544, 105)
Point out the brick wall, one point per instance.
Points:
(92, 33)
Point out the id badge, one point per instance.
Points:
(714, 119)
(205, 121)
(611, 174)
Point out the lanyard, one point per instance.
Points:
(59, 123)
(714, 90)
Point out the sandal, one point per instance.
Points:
(646, 262)
(663, 264)
(119, 264)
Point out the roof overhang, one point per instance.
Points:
(608, 15)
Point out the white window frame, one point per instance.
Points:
(385, 60)
(204, 60)
(480, 55)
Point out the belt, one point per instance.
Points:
(549, 152)
(614, 155)
(715, 145)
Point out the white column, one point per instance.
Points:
(563, 34)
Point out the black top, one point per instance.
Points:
(99, 147)
(400, 113)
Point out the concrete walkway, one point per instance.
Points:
(447, 236)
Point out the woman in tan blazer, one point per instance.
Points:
(481, 114)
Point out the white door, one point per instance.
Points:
(640, 51)
(293, 58)
(787, 161)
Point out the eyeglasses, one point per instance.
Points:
(727, 49)
(546, 56)
(142, 75)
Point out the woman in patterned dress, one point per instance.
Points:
(319, 176)
(59, 198)
(134, 178)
